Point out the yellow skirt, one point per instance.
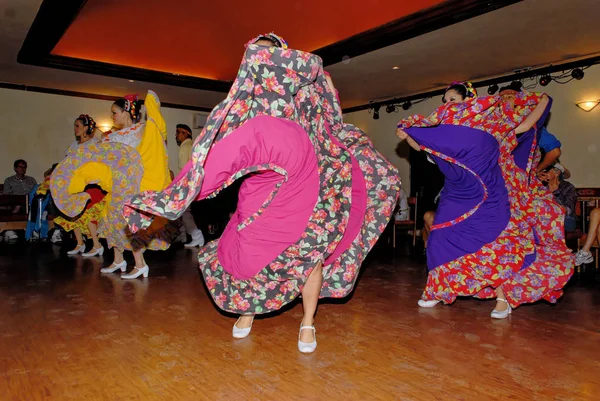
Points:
(92, 214)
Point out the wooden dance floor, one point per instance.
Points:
(69, 333)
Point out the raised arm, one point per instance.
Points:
(403, 135)
(533, 117)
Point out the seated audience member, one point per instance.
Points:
(428, 222)
(584, 255)
(564, 192)
(18, 184)
(550, 147)
(403, 211)
(39, 200)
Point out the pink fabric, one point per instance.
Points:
(263, 141)
(358, 208)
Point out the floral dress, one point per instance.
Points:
(306, 197)
(125, 163)
(94, 209)
(483, 234)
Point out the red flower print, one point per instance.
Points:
(274, 304)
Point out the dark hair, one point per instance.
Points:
(87, 121)
(516, 86)
(185, 128)
(50, 170)
(275, 40)
(460, 88)
(132, 107)
(19, 161)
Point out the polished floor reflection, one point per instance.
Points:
(69, 333)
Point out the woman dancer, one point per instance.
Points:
(128, 161)
(317, 201)
(87, 223)
(482, 243)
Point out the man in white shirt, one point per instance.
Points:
(183, 136)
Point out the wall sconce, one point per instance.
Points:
(588, 105)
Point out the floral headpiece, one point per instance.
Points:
(130, 105)
(471, 92)
(278, 40)
(88, 122)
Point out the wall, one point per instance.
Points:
(578, 131)
(38, 127)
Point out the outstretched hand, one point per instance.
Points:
(401, 134)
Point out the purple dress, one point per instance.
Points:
(490, 215)
(473, 186)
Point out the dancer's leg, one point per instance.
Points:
(94, 233)
(310, 299)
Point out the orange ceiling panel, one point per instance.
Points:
(205, 38)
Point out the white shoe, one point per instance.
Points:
(583, 257)
(307, 348)
(94, 252)
(501, 314)
(198, 241)
(114, 267)
(135, 273)
(427, 304)
(79, 249)
(10, 236)
(241, 333)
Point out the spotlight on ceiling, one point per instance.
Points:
(545, 80)
(376, 113)
(492, 89)
(577, 73)
(390, 108)
(407, 105)
(516, 86)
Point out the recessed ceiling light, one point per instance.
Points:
(131, 80)
(395, 67)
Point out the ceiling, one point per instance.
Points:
(204, 40)
(531, 33)
(192, 39)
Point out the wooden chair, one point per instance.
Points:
(587, 199)
(10, 220)
(407, 225)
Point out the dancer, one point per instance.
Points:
(126, 162)
(87, 222)
(482, 241)
(317, 199)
